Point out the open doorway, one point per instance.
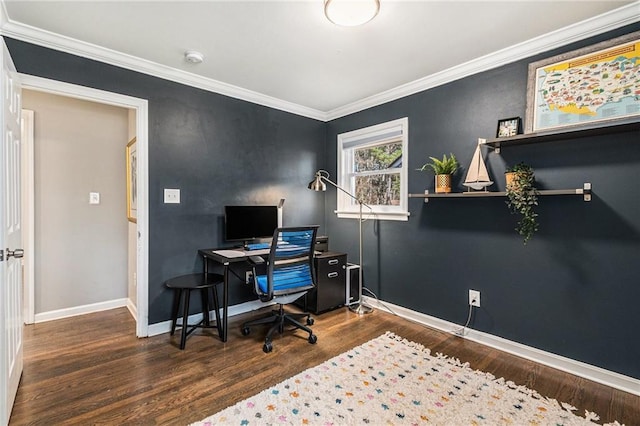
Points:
(136, 240)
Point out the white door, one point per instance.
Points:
(11, 324)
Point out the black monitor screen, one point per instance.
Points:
(245, 223)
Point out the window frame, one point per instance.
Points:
(347, 207)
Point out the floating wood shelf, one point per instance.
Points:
(569, 133)
(585, 191)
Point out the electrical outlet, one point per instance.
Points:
(171, 196)
(474, 298)
(248, 275)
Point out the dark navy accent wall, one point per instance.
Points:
(217, 150)
(573, 290)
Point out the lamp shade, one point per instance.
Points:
(317, 184)
(350, 13)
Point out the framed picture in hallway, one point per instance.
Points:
(132, 189)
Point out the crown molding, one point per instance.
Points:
(65, 44)
(597, 25)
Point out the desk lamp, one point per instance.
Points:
(318, 184)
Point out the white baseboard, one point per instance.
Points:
(133, 309)
(578, 368)
(80, 310)
(165, 326)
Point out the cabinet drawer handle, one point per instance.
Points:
(333, 261)
(332, 274)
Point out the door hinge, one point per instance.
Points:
(1, 255)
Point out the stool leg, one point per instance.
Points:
(177, 293)
(204, 295)
(216, 307)
(185, 318)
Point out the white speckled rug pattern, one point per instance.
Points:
(392, 381)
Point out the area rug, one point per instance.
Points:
(390, 380)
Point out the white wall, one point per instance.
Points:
(80, 249)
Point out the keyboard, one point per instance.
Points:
(257, 246)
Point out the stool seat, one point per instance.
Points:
(182, 286)
(195, 281)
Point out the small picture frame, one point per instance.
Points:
(132, 179)
(509, 127)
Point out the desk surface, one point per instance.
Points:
(231, 255)
(227, 255)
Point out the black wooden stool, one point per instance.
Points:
(182, 286)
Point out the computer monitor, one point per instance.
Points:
(247, 223)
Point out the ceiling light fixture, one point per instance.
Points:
(193, 56)
(350, 13)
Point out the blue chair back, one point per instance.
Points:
(290, 268)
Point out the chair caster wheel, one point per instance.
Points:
(246, 331)
(267, 347)
(310, 321)
(313, 338)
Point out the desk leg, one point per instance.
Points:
(222, 329)
(225, 302)
(216, 307)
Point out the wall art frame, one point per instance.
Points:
(132, 188)
(509, 127)
(594, 84)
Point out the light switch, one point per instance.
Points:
(94, 198)
(171, 196)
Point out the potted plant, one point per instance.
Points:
(522, 197)
(443, 170)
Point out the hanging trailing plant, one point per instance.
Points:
(522, 198)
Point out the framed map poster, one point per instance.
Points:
(592, 84)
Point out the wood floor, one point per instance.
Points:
(93, 370)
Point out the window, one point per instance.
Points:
(372, 165)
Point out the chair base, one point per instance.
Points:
(278, 319)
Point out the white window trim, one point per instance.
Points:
(361, 137)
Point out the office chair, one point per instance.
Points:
(287, 276)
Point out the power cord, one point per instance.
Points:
(378, 301)
(463, 331)
(459, 332)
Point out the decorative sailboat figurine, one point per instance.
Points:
(477, 176)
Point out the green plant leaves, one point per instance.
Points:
(446, 166)
(522, 197)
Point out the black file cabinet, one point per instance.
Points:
(331, 281)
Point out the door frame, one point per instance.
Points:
(140, 106)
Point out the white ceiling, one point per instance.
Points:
(286, 54)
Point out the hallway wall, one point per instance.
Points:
(81, 249)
